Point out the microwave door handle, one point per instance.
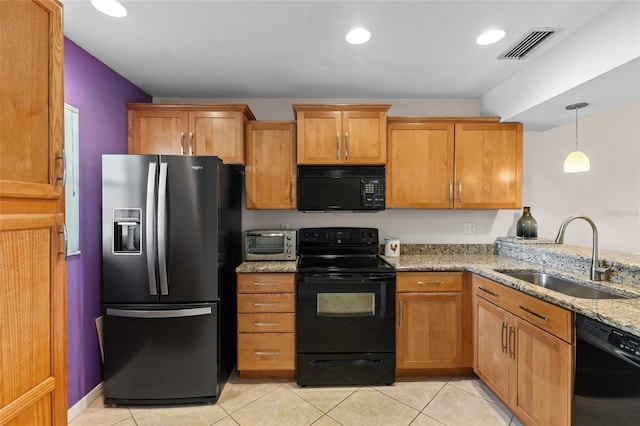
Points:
(363, 197)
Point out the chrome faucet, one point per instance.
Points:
(597, 271)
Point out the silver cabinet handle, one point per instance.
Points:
(266, 353)
(265, 304)
(346, 145)
(337, 146)
(266, 324)
(149, 226)
(266, 284)
(450, 191)
(293, 194)
(400, 319)
(529, 311)
(512, 342)
(429, 282)
(63, 157)
(162, 229)
(460, 191)
(65, 245)
(181, 143)
(489, 292)
(190, 143)
(503, 337)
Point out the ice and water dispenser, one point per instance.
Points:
(126, 231)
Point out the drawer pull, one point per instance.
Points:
(266, 304)
(512, 342)
(266, 324)
(529, 311)
(503, 337)
(264, 353)
(429, 282)
(266, 284)
(487, 291)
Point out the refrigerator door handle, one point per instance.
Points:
(162, 229)
(150, 226)
(169, 313)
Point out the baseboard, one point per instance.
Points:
(80, 406)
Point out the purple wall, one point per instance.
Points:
(100, 94)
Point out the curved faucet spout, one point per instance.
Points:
(597, 272)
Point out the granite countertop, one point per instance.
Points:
(267, 266)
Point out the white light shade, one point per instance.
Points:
(490, 37)
(110, 7)
(358, 36)
(576, 161)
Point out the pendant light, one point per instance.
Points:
(576, 161)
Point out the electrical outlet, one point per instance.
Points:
(470, 227)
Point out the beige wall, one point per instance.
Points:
(609, 194)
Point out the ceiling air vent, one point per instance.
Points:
(527, 43)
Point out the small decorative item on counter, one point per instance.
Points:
(392, 247)
(527, 226)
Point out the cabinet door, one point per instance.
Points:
(488, 166)
(319, 137)
(219, 133)
(420, 165)
(541, 389)
(270, 165)
(158, 132)
(429, 330)
(491, 355)
(364, 137)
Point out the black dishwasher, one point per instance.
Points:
(607, 376)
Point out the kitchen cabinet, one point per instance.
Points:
(453, 163)
(434, 316)
(524, 352)
(270, 168)
(266, 325)
(188, 129)
(341, 134)
(33, 383)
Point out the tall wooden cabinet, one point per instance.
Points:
(33, 384)
(453, 163)
(341, 134)
(189, 129)
(524, 352)
(270, 168)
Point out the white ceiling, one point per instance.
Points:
(418, 49)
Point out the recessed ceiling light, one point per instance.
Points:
(358, 36)
(110, 7)
(490, 37)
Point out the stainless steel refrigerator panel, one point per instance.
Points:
(128, 228)
(161, 354)
(188, 223)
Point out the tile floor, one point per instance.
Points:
(416, 401)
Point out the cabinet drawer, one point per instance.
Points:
(428, 281)
(266, 323)
(549, 317)
(256, 303)
(266, 351)
(266, 283)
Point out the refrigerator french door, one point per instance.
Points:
(169, 224)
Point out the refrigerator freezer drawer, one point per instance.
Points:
(161, 354)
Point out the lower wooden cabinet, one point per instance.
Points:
(433, 312)
(266, 325)
(524, 352)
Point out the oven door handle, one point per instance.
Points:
(345, 362)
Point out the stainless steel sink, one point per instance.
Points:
(562, 285)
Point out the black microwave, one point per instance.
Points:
(337, 188)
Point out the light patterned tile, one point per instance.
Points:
(201, 415)
(281, 407)
(453, 406)
(234, 396)
(516, 422)
(416, 393)
(370, 407)
(474, 386)
(323, 398)
(100, 416)
(227, 421)
(127, 422)
(325, 421)
(424, 420)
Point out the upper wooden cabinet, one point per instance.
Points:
(189, 129)
(341, 134)
(270, 169)
(460, 163)
(33, 365)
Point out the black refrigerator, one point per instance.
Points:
(171, 240)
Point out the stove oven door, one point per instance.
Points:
(345, 329)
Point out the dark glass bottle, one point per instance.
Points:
(527, 226)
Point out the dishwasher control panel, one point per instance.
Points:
(625, 342)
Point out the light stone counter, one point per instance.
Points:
(266, 266)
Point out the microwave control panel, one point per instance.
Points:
(372, 193)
